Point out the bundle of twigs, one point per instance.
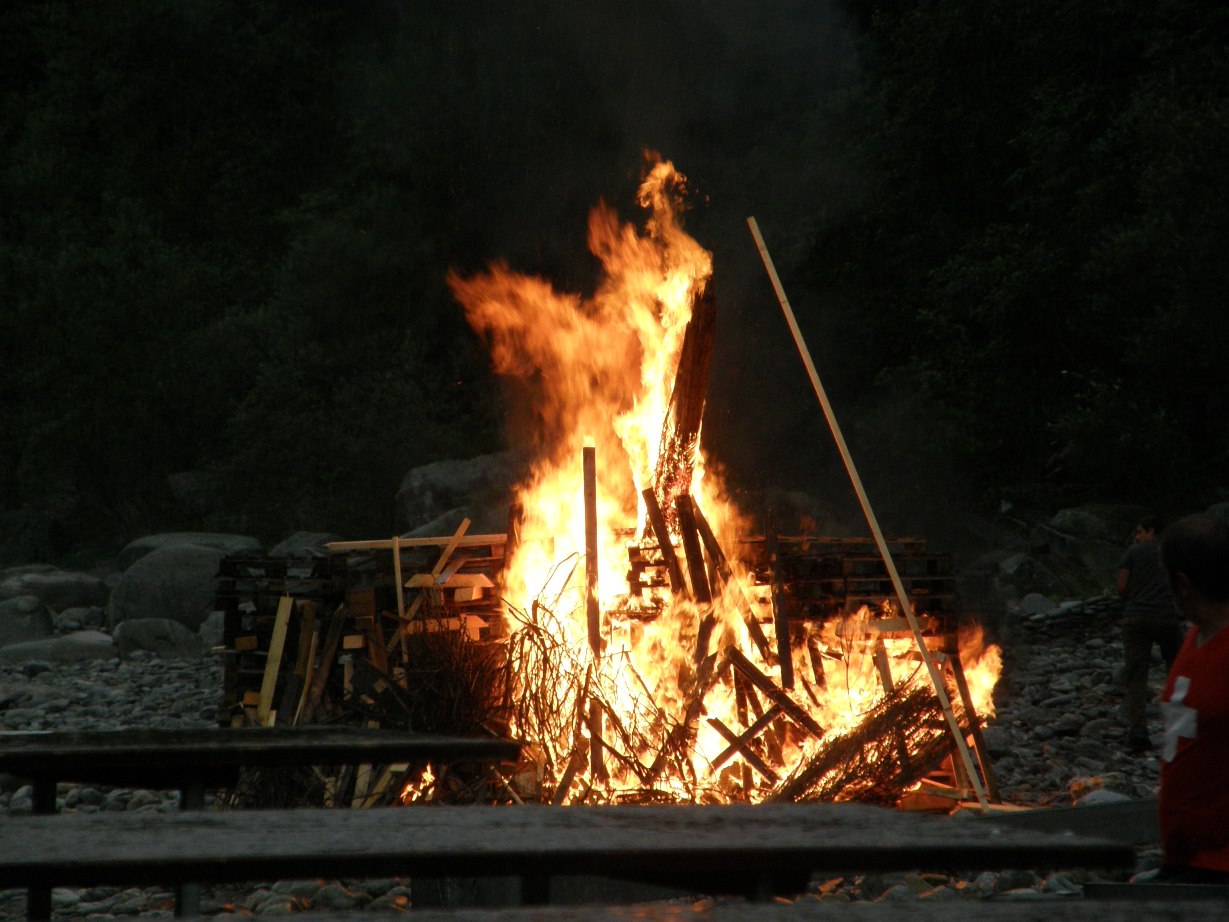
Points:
(556, 687)
(902, 739)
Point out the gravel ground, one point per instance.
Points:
(1057, 738)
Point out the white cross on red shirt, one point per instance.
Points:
(1180, 720)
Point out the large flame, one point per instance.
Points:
(601, 371)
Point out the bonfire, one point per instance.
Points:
(648, 660)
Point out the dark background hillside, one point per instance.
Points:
(226, 224)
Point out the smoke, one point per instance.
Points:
(553, 105)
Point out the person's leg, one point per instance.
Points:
(1169, 638)
(1136, 652)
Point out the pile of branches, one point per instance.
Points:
(899, 743)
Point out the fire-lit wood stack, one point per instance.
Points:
(359, 634)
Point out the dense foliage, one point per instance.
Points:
(227, 223)
(1043, 242)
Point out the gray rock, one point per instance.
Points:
(1025, 575)
(23, 619)
(1219, 511)
(80, 646)
(999, 741)
(160, 636)
(55, 588)
(213, 632)
(304, 544)
(483, 483)
(176, 582)
(1083, 523)
(228, 544)
(1034, 603)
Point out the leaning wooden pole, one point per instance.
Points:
(936, 678)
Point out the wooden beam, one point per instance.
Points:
(592, 612)
(726, 575)
(744, 749)
(658, 522)
(274, 662)
(692, 551)
(336, 547)
(793, 710)
(765, 720)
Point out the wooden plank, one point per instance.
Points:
(328, 655)
(593, 614)
(662, 533)
(163, 758)
(292, 694)
(692, 552)
(742, 745)
(336, 547)
(273, 664)
(715, 849)
(674, 907)
(974, 722)
(793, 710)
(726, 575)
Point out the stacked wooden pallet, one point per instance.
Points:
(334, 637)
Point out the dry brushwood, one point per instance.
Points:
(865, 764)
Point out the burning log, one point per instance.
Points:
(658, 523)
(681, 428)
(592, 612)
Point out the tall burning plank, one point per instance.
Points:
(681, 428)
(593, 614)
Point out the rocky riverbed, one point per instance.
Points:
(1057, 738)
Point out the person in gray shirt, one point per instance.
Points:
(1149, 615)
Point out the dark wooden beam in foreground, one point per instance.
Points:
(761, 850)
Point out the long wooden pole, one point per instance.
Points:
(592, 611)
(936, 677)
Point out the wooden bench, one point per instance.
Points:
(751, 851)
(811, 910)
(193, 761)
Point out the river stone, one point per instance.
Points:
(24, 618)
(177, 582)
(228, 544)
(160, 636)
(57, 589)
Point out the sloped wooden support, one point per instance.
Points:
(658, 522)
(775, 694)
(742, 745)
(726, 575)
(975, 730)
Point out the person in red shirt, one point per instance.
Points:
(1193, 805)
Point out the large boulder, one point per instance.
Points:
(477, 488)
(57, 589)
(176, 582)
(161, 636)
(23, 619)
(230, 544)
